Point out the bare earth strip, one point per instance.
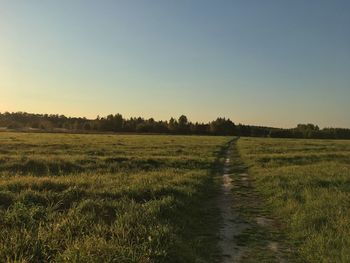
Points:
(231, 225)
(246, 234)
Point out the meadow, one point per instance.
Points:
(153, 198)
(108, 198)
(306, 186)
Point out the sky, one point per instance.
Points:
(273, 62)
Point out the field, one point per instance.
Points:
(108, 198)
(306, 186)
(154, 198)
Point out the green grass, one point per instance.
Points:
(108, 198)
(306, 185)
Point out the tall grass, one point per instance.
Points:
(107, 198)
(306, 185)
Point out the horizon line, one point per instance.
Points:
(176, 118)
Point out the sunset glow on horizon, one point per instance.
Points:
(255, 62)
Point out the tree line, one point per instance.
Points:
(117, 123)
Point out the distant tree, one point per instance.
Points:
(14, 125)
(221, 126)
(116, 123)
(172, 125)
(183, 121)
(87, 126)
(183, 125)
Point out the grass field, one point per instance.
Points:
(108, 198)
(306, 185)
(152, 198)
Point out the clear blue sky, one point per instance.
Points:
(274, 63)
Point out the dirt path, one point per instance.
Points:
(231, 224)
(246, 234)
